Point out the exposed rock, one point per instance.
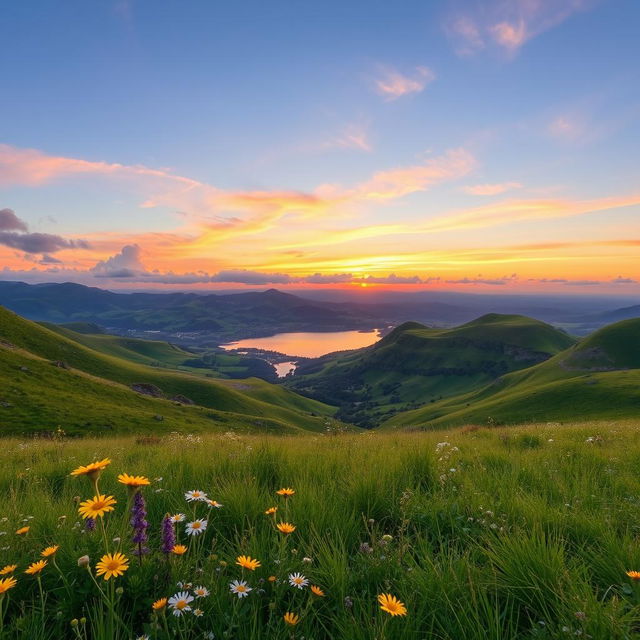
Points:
(5, 404)
(24, 368)
(147, 389)
(61, 364)
(180, 399)
(158, 418)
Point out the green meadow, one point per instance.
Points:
(482, 533)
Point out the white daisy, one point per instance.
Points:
(198, 613)
(178, 517)
(180, 603)
(195, 495)
(184, 586)
(143, 637)
(298, 580)
(240, 588)
(200, 592)
(196, 527)
(214, 503)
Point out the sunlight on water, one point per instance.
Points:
(308, 345)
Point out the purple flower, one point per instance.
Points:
(90, 524)
(168, 535)
(139, 523)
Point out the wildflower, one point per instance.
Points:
(270, 511)
(133, 482)
(179, 550)
(168, 535)
(90, 524)
(291, 618)
(139, 523)
(317, 591)
(195, 496)
(285, 527)
(6, 584)
(391, 605)
(214, 503)
(49, 551)
(634, 575)
(22, 531)
(159, 604)
(143, 637)
(112, 565)
(36, 567)
(240, 588)
(247, 562)
(387, 538)
(200, 592)
(83, 561)
(92, 470)
(298, 580)
(285, 492)
(307, 560)
(178, 517)
(198, 613)
(180, 603)
(10, 568)
(365, 547)
(96, 507)
(196, 527)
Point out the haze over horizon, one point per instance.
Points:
(467, 146)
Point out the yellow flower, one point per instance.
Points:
(133, 482)
(36, 567)
(391, 605)
(285, 492)
(247, 562)
(10, 568)
(285, 527)
(634, 575)
(22, 531)
(270, 511)
(92, 470)
(96, 507)
(317, 591)
(291, 618)
(6, 584)
(179, 549)
(49, 551)
(272, 578)
(112, 565)
(159, 604)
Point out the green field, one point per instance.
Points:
(482, 534)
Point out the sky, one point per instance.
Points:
(468, 145)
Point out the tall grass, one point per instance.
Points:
(482, 533)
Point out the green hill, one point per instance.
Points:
(48, 379)
(414, 365)
(597, 378)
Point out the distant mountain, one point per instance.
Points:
(48, 379)
(597, 378)
(414, 365)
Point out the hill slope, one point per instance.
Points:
(105, 381)
(598, 378)
(414, 365)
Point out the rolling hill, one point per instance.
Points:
(48, 379)
(414, 365)
(597, 378)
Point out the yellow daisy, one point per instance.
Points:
(247, 562)
(10, 568)
(634, 575)
(49, 551)
(270, 511)
(133, 482)
(291, 618)
(36, 567)
(22, 531)
(96, 507)
(112, 565)
(92, 470)
(391, 605)
(285, 492)
(179, 549)
(6, 584)
(285, 527)
(159, 604)
(317, 591)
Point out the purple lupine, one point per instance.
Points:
(139, 523)
(90, 524)
(168, 535)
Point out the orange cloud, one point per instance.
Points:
(491, 189)
(393, 85)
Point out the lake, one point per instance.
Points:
(310, 344)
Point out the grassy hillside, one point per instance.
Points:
(599, 377)
(20, 338)
(414, 365)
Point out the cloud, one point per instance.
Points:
(566, 127)
(393, 85)
(245, 276)
(9, 221)
(506, 25)
(47, 259)
(491, 189)
(354, 136)
(125, 264)
(621, 280)
(39, 242)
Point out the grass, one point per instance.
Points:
(483, 534)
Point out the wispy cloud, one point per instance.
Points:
(506, 25)
(354, 136)
(391, 84)
(491, 189)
